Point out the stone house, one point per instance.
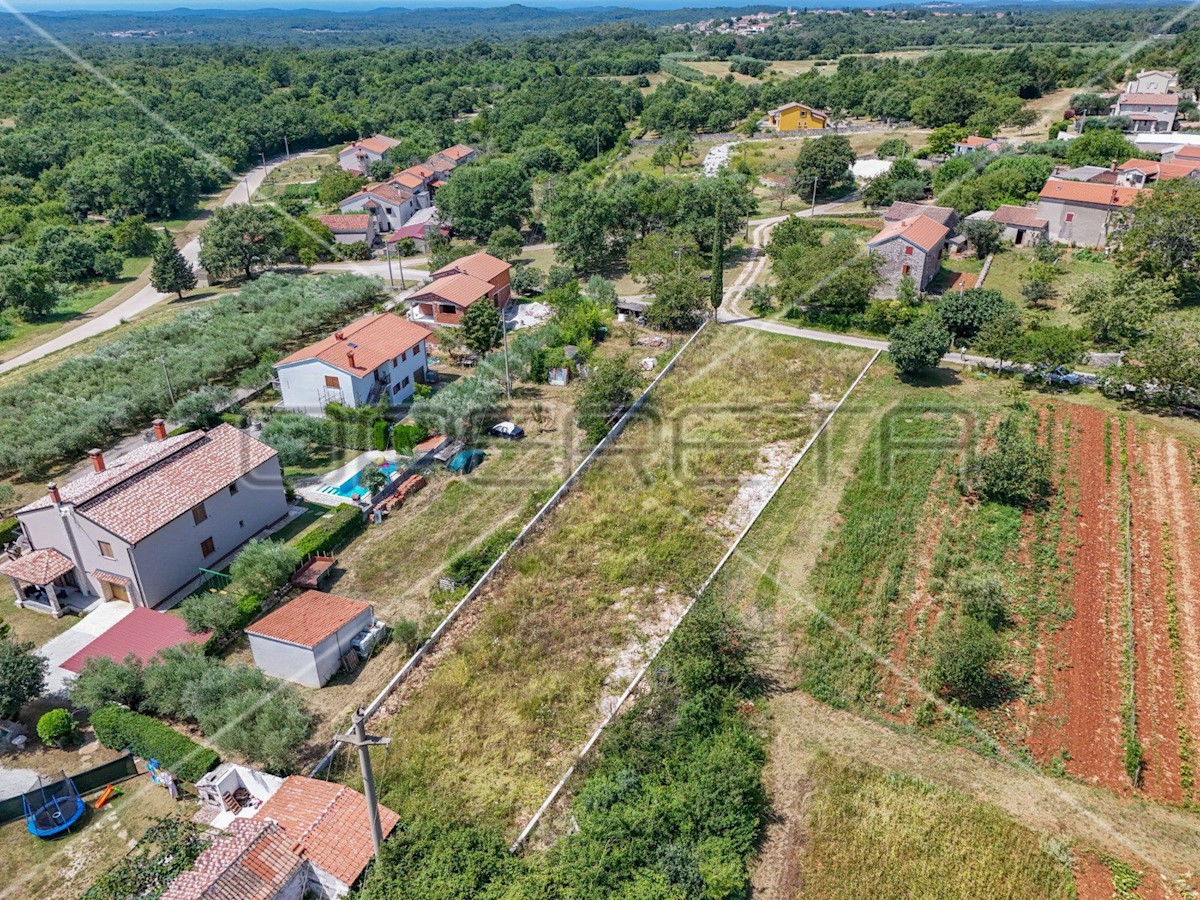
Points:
(912, 247)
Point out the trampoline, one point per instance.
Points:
(52, 808)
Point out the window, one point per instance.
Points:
(396, 389)
(908, 251)
(106, 550)
(403, 355)
(233, 489)
(448, 308)
(1070, 217)
(207, 547)
(199, 513)
(332, 381)
(904, 269)
(404, 383)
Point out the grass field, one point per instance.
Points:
(78, 302)
(484, 732)
(1011, 265)
(298, 171)
(872, 833)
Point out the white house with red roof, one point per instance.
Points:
(1148, 112)
(377, 357)
(142, 529)
(910, 247)
(391, 203)
(358, 155)
(976, 144)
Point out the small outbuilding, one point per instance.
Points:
(305, 640)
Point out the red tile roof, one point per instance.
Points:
(408, 180)
(251, 860)
(350, 223)
(1020, 216)
(159, 482)
(328, 821)
(458, 152)
(976, 141)
(416, 232)
(385, 191)
(373, 339)
(482, 265)
(1087, 192)
(902, 209)
(922, 231)
(1150, 99)
(1187, 151)
(380, 144)
(309, 619)
(461, 290)
(37, 567)
(420, 171)
(1161, 171)
(143, 633)
(440, 163)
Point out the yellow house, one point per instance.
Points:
(797, 117)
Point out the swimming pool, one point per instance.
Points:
(353, 485)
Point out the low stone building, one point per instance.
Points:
(911, 247)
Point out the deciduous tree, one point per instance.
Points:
(239, 238)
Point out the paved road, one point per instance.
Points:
(732, 311)
(147, 297)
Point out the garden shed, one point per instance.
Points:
(304, 641)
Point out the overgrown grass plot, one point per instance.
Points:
(576, 612)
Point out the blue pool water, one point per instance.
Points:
(352, 485)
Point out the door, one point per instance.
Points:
(115, 592)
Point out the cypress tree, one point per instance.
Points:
(718, 270)
(170, 273)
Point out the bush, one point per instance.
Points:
(1015, 471)
(263, 567)
(606, 393)
(964, 663)
(406, 634)
(983, 599)
(333, 531)
(964, 313)
(118, 728)
(406, 437)
(237, 420)
(379, 435)
(215, 611)
(103, 681)
(199, 410)
(22, 676)
(468, 567)
(55, 726)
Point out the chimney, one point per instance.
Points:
(339, 335)
(97, 458)
(160, 429)
(350, 358)
(55, 496)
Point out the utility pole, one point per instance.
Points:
(387, 251)
(263, 157)
(504, 340)
(359, 738)
(167, 376)
(287, 153)
(814, 200)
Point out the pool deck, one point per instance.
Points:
(319, 491)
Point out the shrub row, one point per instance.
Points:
(117, 728)
(333, 531)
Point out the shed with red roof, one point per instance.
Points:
(304, 640)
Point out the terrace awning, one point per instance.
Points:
(40, 567)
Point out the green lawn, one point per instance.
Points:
(301, 523)
(77, 303)
(1011, 265)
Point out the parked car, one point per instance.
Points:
(466, 461)
(1062, 375)
(510, 430)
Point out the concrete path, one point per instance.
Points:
(147, 297)
(59, 649)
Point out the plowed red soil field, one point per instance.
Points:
(1125, 672)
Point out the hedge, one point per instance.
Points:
(117, 727)
(9, 529)
(332, 532)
